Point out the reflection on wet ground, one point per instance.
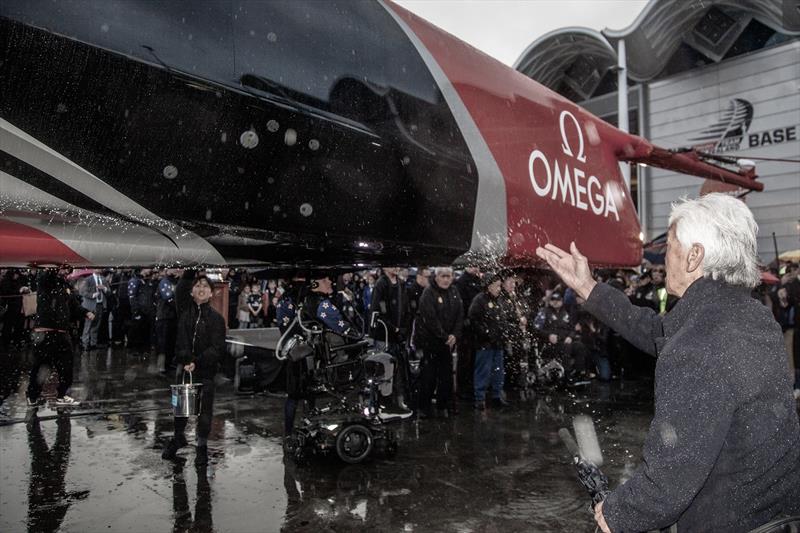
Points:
(100, 467)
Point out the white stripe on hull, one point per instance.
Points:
(101, 234)
(102, 240)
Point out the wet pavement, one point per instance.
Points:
(100, 467)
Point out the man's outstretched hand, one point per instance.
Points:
(573, 267)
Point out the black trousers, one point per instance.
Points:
(53, 349)
(166, 332)
(206, 410)
(465, 368)
(436, 373)
(139, 334)
(13, 325)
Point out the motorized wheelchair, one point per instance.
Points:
(344, 380)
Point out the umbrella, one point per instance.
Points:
(791, 255)
(769, 278)
(75, 274)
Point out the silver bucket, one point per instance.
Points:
(186, 398)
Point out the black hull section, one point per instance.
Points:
(265, 172)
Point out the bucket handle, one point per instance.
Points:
(183, 378)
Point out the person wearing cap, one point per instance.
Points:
(554, 324)
(722, 451)
(321, 305)
(199, 347)
(285, 313)
(487, 321)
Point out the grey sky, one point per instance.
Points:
(504, 28)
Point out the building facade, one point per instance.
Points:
(722, 78)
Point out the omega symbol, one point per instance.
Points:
(565, 142)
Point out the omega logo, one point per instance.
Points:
(572, 184)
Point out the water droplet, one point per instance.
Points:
(290, 137)
(272, 126)
(249, 139)
(313, 144)
(592, 134)
(252, 33)
(61, 108)
(223, 137)
(406, 160)
(270, 180)
(170, 172)
(246, 206)
(306, 209)
(272, 37)
(104, 28)
(208, 214)
(276, 208)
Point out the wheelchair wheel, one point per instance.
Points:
(386, 445)
(354, 443)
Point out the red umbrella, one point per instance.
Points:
(75, 274)
(769, 278)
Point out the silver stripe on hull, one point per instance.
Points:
(153, 240)
(490, 225)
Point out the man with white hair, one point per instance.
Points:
(723, 450)
(439, 325)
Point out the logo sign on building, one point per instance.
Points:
(732, 131)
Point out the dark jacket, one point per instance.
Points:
(183, 292)
(201, 340)
(441, 313)
(9, 290)
(487, 320)
(551, 321)
(56, 306)
(166, 308)
(469, 286)
(391, 303)
(414, 292)
(722, 452)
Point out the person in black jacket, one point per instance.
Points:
(441, 318)
(199, 347)
(555, 327)
(390, 301)
(13, 319)
(487, 320)
(57, 310)
(469, 286)
(722, 452)
(167, 319)
(422, 278)
(183, 291)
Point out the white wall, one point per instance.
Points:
(683, 106)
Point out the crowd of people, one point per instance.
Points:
(485, 325)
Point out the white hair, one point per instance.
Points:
(727, 230)
(443, 270)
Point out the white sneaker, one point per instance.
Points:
(394, 413)
(66, 401)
